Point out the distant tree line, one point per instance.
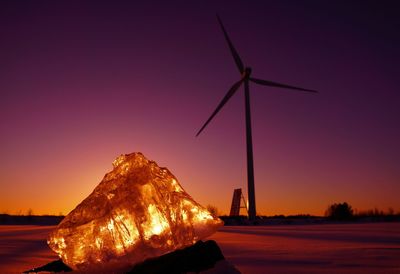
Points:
(345, 212)
(335, 212)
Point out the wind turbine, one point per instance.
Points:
(245, 78)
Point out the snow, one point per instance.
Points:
(339, 248)
(23, 247)
(328, 248)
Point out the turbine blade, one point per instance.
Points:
(278, 85)
(234, 53)
(228, 95)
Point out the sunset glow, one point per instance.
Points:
(82, 84)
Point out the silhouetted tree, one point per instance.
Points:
(339, 211)
(213, 210)
(29, 213)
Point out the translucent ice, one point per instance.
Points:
(138, 211)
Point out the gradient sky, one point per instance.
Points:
(83, 82)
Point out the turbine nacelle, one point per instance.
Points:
(246, 73)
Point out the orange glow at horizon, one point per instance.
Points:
(70, 189)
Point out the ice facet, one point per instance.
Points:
(138, 211)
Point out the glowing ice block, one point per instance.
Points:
(138, 211)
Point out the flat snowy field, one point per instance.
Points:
(329, 248)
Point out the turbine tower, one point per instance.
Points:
(245, 78)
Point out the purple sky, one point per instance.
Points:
(83, 82)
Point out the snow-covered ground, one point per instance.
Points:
(23, 247)
(339, 248)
